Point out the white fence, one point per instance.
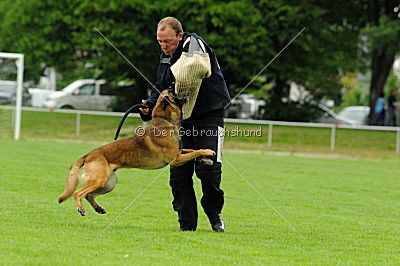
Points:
(270, 123)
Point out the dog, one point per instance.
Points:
(158, 146)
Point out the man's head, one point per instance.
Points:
(169, 34)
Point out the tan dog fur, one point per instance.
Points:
(150, 150)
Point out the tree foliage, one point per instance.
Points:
(381, 29)
(245, 34)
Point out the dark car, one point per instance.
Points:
(8, 91)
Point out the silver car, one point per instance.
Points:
(358, 114)
(88, 94)
(351, 115)
(8, 92)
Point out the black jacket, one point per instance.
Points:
(213, 94)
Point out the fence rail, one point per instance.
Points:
(270, 123)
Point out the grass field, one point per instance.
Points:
(347, 210)
(351, 143)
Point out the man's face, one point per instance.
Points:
(168, 40)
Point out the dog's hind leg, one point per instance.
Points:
(90, 198)
(97, 174)
(111, 183)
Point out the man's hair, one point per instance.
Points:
(171, 22)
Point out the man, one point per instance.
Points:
(190, 66)
(392, 108)
(379, 110)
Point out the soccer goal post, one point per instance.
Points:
(19, 63)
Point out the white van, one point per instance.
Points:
(87, 94)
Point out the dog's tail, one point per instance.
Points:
(72, 180)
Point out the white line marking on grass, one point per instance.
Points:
(262, 196)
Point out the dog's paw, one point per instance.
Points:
(207, 152)
(206, 161)
(100, 210)
(81, 211)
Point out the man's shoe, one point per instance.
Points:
(217, 224)
(186, 229)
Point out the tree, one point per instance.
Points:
(315, 60)
(62, 35)
(245, 34)
(382, 35)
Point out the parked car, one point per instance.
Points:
(245, 106)
(351, 115)
(86, 94)
(39, 96)
(8, 92)
(358, 114)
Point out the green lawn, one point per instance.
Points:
(348, 211)
(354, 143)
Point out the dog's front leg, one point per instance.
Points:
(184, 158)
(187, 150)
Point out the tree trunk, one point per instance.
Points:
(382, 62)
(383, 58)
(275, 105)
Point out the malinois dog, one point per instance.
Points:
(158, 146)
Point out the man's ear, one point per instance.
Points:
(165, 102)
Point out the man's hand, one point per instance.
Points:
(145, 111)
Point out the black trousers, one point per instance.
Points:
(198, 134)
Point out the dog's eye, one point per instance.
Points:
(165, 102)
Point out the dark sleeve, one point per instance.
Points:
(156, 89)
(151, 101)
(155, 92)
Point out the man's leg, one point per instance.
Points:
(183, 192)
(210, 175)
(392, 117)
(184, 196)
(213, 196)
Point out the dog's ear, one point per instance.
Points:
(165, 102)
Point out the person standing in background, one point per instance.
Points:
(392, 109)
(379, 119)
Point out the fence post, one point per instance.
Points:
(78, 124)
(333, 137)
(398, 141)
(270, 135)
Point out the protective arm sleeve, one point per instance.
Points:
(189, 71)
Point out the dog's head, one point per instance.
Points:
(169, 105)
(178, 100)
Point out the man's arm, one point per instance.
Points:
(145, 113)
(155, 92)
